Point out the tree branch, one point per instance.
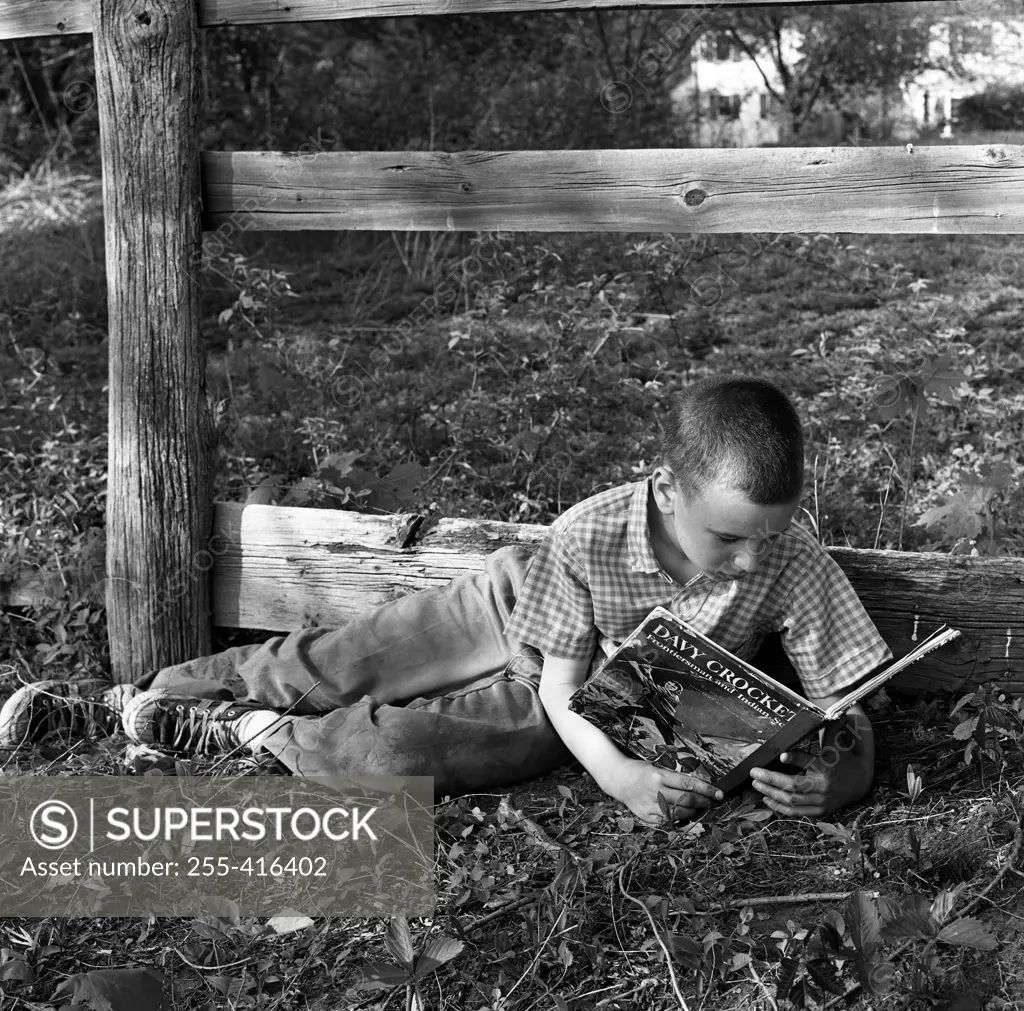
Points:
(604, 44)
(752, 55)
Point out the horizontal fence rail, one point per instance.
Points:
(978, 189)
(24, 18)
(278, 568)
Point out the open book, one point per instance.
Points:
(670, 696)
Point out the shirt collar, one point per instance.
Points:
(641, 554)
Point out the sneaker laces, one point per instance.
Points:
(73, 711)
(201, 728)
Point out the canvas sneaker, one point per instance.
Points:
(74, 708)
(188, 726)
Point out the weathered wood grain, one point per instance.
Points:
(159, 488)
(23, 18)
(977, 189)
(279, 569)
(291, 567)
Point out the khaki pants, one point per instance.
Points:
(426, 685)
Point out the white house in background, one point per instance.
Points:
(987, 53)
(729, 104)
(726, 97)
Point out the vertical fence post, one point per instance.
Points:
(159, 495)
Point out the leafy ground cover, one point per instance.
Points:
(507, 377)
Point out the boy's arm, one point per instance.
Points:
(633, 782)
(840, 775)
(832, 642)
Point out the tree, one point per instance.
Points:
(46, 100)
(810, 57)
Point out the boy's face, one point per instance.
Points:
(720, 531)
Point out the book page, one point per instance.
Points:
(674, 698)
(938, 638)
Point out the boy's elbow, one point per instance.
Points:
(560, 677)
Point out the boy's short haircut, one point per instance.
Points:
(743, 430)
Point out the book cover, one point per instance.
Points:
(671, 696)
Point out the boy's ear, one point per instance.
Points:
(665, 488)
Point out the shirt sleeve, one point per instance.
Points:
(554, 612)
(827, 634)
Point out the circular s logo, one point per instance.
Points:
(616, 97)
(53, 824)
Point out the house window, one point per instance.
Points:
(713, 98)
(729, 106)
(764, 104)
(971, 39)
(723, 46)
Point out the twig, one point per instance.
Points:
(32, 93)
(779, 900)
(60, 569)
(1003, 910)
(273, 726)
(536, 958)
(881, 513)
(757, 979)
(66, 753)
(1018, 840)
(604, 989)
(657, 937)
(501, 911)
(622, 996)
(906, 821)
(446, 463)
(910, 474)
(817, 515)
(211, 968)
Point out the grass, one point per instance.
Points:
(543, 386)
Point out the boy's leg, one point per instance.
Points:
(420, 645)
(442, 652)
(487, 734)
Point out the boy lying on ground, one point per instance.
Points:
(470, 683)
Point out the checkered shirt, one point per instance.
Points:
(595, 578)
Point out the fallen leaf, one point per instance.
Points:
(963, 1001)
(398, 940)
(266, 491)
(222, 908)
(913, 919)
(436, 953)
(970, 933)
(118, 990)
(288, 922)
(864, 923)
(381, 976)
(18, 970)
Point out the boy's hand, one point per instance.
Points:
(637, 784)
(842, 774)
(812, 793)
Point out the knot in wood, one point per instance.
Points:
(465, 187)
(694, 197)
(145, 25)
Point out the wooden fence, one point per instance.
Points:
(160, 193)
